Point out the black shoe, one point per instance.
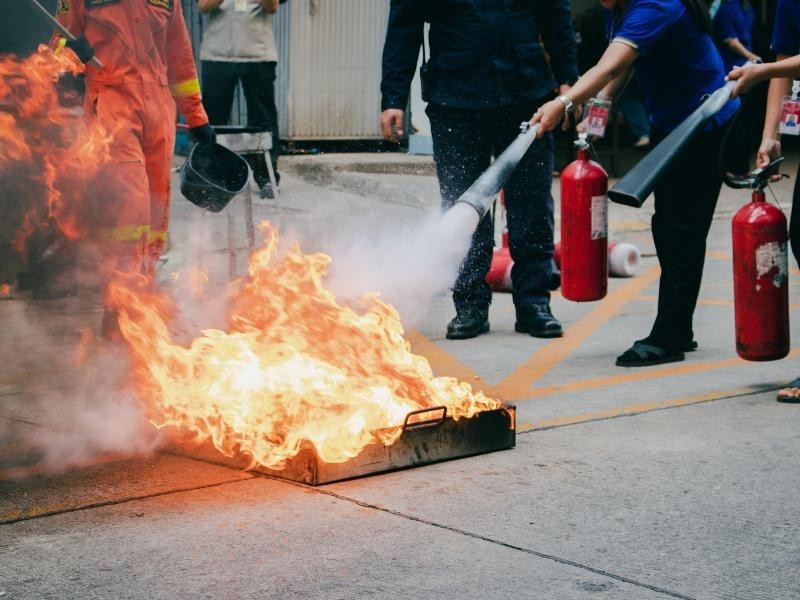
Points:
(468, 323)
(538, 321)
(649, 352)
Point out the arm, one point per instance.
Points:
(181, 72)
(780, 73)
(400, 54)
(269, 6)
(749, 75)
(611, 70)
(70, 14)
(770, 138)
(208, 6)
(737, 47)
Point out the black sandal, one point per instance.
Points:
(790, 393)
(643, 353)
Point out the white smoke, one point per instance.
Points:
(408, 265)
(68, 413)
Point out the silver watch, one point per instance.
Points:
(567, 104)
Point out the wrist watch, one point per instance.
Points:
(567, 104)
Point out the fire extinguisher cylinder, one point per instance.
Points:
(760, 277)
(584, 228)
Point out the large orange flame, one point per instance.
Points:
(49, 150)
(294, 365)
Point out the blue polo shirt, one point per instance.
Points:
(786, 35)
(678, 64)
(733, 21)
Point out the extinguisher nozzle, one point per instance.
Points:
(474, 202)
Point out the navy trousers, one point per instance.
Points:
(464, 142)
(685, 200)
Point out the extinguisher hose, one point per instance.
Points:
(481, 194)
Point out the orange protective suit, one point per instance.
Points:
(148, 67)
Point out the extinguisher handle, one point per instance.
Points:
(757, 179)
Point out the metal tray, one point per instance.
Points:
(422, 442)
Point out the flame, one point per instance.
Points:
(5, 290)
(49, 151)
(294, 365)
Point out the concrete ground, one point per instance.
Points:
(673, 481)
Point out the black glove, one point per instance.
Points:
(203, 133)
(81, 47)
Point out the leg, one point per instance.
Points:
(120, 195)
(462, 152)
(791, 393)
(158, 145)
(794, 220)
(529, 205)
(258, 82)
(218, 86)
(682, 219)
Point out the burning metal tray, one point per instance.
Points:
(422, 442)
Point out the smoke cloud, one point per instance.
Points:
(72, 405)
(408, 264)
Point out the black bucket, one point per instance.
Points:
(212, 175)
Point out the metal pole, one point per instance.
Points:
(63, 30)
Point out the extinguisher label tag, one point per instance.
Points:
(597, 117)
(772, 261)
(790, 116)
(599, 217)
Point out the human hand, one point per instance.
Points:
(203, 133)
(769, 149)
(392, 124)
(745, 77)
(548, 116)
(81, 47)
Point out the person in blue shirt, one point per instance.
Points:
(786, 45)
(669, 44)
(733, 33)
(492, 63)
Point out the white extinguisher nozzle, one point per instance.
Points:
(623, 260)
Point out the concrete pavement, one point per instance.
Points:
(673, 481)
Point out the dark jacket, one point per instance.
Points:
(483, 53)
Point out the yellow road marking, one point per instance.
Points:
(631, 409)
(706, 301)
(442, 361)
(519, 383)
(672, 370)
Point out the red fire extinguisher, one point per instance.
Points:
(760, 272)
(499, 275)
(584, 227)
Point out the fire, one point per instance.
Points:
(293, 365)
(49, 150)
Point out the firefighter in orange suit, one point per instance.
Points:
(148, 68)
